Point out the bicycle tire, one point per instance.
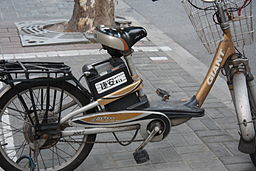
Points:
(253, 112)
(6, 110)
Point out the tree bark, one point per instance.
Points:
(87, 14)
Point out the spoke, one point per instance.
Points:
(65, 106)
(27, 96)
(42, 160)
(33, 106)
(27, 110)
(41, 91)
(17, 147)
(17, 110)
(52, 159)
(15, 116)
(60, 106)
(62, 99)
(16, 151)
(76, 141)
(23, 148)
(54, 99)
(18, 119)
(22, 145)
(58, 156)
(37, 101)
(70, 144)
(47, 104)
(24, 106)
(16, 129)
(43, 97)
(64, 152)
(77, 106)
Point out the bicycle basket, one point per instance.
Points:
(207, 28)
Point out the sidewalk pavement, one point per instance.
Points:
(203, 144)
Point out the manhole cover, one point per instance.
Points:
(33, 33)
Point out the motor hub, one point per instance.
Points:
(44, 141)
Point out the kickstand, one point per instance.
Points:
(140, 155)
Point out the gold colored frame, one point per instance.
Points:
(224, 51)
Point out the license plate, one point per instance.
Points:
(111, 82)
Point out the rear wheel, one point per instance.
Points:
(19, 109)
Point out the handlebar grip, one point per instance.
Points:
(154, 0)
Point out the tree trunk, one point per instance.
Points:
(87, 14)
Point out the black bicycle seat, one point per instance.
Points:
(119, 38)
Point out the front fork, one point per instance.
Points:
(241, 83)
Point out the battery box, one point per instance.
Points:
(109, 76)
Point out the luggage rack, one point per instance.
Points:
(18, 71)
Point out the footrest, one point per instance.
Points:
(141, 156)
(176, 109)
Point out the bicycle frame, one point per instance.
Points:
(224, 51)
(137, 85)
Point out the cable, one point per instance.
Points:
(199, 8)
(245, 4)
(128, 142)
(32, 164)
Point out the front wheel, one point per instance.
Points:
(47, 101)
(253, 112)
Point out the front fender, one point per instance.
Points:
(242, 106)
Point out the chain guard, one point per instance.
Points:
(147, 120)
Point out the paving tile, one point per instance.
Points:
(169, 154)
(211, 165)
(196, 125)
(217, 139)
(127, 169)
(191, 149)
(169, 167)
(201, 156)
(210, 123)
(3, 30)
(241, 166)
(202, 144)
(235, 159)
(4, 40)
(145, 168)
(219, 149)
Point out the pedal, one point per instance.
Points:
(141, 156)
(162, 93)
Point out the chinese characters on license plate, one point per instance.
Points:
(110, 82)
